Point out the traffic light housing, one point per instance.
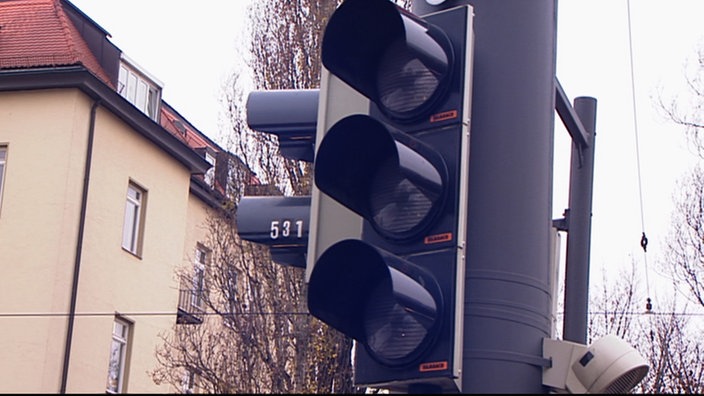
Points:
(290, 114)
(282, 223)
(403, 167)
(278, 222)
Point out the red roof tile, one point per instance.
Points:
(181, 128)
(37, 33)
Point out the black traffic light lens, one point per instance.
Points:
(398, 60)
(394, 332)
(404, 82)
(390, 305)
(397, 204)
(396, 182)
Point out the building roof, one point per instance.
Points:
(44, 38)
(178, 126)
(38, 33)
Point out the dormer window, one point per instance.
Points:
(210, 173)
(135, 85)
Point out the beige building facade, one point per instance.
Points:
(101, 202)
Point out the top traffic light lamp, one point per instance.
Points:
(402, 167)
(403, 64)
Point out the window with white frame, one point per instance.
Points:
(3, 158)
(230, 292)
(134, 219)
(189, 382)
(138, 90)
(118, 355)
(200, 261)
(210, 173)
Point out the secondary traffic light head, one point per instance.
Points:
(278, 222)
(281, 222)
(290, 114)
(403, 168)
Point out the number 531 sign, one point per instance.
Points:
(286, 228)
(278, 222)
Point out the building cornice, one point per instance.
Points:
(79, 77)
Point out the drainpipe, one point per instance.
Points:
(79, 247)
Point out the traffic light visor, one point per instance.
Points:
(392, 180)
(394, 58)
(388, 304)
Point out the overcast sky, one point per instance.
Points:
(193, 46)
(594, 60)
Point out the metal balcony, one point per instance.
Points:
(190, 307)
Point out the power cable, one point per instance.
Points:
(17, 315)
(644, 238)
(99, 314)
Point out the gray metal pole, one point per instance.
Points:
(508, 297)
(579, 226)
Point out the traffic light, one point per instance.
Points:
(282, 223)
(290, 114)
(278, 222)
(398, 291)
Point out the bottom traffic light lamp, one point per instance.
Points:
(395, 308)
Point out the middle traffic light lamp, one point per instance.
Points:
(396, 182)
(403, 167)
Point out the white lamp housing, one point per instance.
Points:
(609, 365)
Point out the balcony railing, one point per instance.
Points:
(190, 306)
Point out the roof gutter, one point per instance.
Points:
(79, 77)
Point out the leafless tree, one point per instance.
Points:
(670, 344)
(250, 342)
(611, 310)
(685, 243)
(684, 258)
(668, 337)
(285, 45)
(674, 351)
(258, 336)
(686, 109)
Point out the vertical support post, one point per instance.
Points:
(579, 227)
(508, 299)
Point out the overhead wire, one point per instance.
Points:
(644, 238)
(17, 315)
(147, 313)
